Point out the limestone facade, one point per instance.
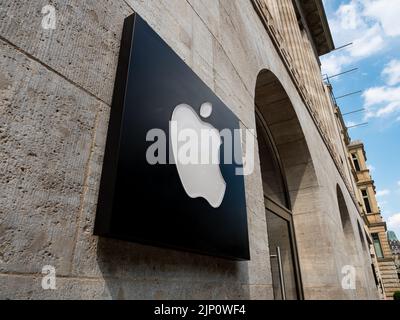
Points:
(56, 89)
(377, 228)
(395, 247)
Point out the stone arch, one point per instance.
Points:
(344, 213)
(345, 218)
(277, 118)
(365, 258)
(350, 255)
(362, 236)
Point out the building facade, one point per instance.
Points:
(376, 225)
(261, 58)
(395, 246)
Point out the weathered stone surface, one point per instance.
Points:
(46, 139)
(260, 292)
(83, 47)
(203, 52)
(259, 269)
(52, 138)
(237, 16)
(29, 287)
(172, 20)
(230, 89)
(209, 12)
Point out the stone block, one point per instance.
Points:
(84, 46)
(46, 140)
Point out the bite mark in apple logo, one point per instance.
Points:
(202, 178)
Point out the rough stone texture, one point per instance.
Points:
(83, 48)
(55, 90)
(29, 287)
(46, 139)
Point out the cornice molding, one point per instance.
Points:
(266, 18)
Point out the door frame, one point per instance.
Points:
(276, 208)
(286, 215)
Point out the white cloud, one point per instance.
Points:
(392, 72)
(371, 167)
(389, 109)
(398, 183)
(350, 124)
(381, 101)
(378, 95)
(333, 64)
(382, 204)
(386, 12)
(382, 193)
(394, 221)
(349, 17)
(370, 25)
(347, 22)
(368, 44)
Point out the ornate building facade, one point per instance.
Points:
(395, 246)
(261, 58)
(366, 193)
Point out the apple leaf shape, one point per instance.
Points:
(199, 178)
(206, 110)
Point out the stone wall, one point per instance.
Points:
(56, 88)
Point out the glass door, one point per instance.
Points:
(282, 246)
(282, 256)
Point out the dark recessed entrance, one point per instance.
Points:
(275, 120)
(279, 220)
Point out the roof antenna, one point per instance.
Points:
(358, 125)
(327, 77)
(355, 111)
(341, 47)
(349, 94)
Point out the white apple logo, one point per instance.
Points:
(199, 178)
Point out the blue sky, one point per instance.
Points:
(374, 28)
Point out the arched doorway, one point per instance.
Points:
(290, 186)
(282, 247)
(362, 237)
(347, 226)
(344, 215)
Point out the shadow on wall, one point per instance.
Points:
(134, 271)
(275, 108)
(352, 255)
(317, 264)
(347, 225)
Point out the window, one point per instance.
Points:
(366, 200)
(355, 161)
(377, 246)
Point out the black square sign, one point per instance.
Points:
(146, 195)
